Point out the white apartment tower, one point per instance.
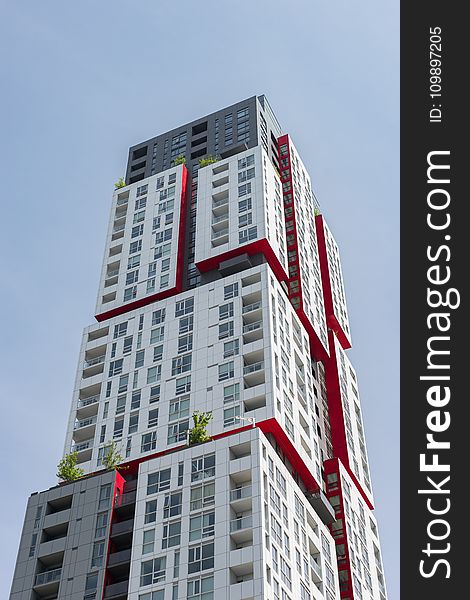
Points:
(221, 292)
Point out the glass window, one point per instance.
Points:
(203, 467)
(172, 505)
(171, 535)
(201, 526)
(152, 571)
(202, 496)
(159, 481)
(149, 441)
(201, 589)
(201, 558)
(184, 307)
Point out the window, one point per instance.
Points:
(172, 505)
(158, 316)
(247, 161)
(186, 324)
(160, 251)
(203, 467)
(281, 483)
(201, 589)
(157, 334)
(245, 235)
(105, 496)
(123, 383)
(127, 346)
(158, 353)
(201, 526)
(231, 291)
(150, 511)
(139, 358)
(140, 203)
(133, 423)
(159, 481)
(165, 265)
(244, 205)
(230, 416)
(171, 535)
(184, 307)
(183, 385)
(130, 293)
(231, 348)
(164, 280)
(97, 555)
(226, 330)
(245, 219)
(137, 230)
(154, 374)
(152, 270)
(142, 190)
(244, 189)
(181, 364)
(154, 394)
(120, 330)
(201, 558)
(232, 393)
(149, 441)
(153, 571)
(134, 261)
(135, 247)
(115, 367)
(179, 408)
(120, 405)
(153, 418)
(286, 573)
(226, 371)
(101, 524)
(139, 216)
(246, 175)
(132, 277)
(185, 343)
(202, 496)
(226, 311)
(177, 432)
(148, 541)
(160, 182)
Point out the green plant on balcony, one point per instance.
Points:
(317, 211)
(112, 457)
(208, 160)
(67, 469)
(120, 183)
(180, 160)
(198, 433)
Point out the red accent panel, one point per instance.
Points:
(259, 247)
(340, 536)
(316, 346)
(272, 426)
(124, 308)
(119, 482)
(335, 410)
(331, 319)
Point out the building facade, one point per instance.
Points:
(221, 292)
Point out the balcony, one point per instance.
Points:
(315, 570)
(85, 423)
(87, 407)
(241, 529)
(251, 307)
(125, 504)
(123, 529)
(252, 332)
(85, 445)
(240, 498)
(93, 365)
(46, 584)
(117, 591)
(220, 182)
(253, 374)
(219, 219)
(219, 237)
(82, 403)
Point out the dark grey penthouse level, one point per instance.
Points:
(227, 131)
(64, 541)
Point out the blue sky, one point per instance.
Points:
(81, 83)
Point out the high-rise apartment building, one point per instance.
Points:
(221, 292)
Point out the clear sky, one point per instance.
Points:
(82, 81)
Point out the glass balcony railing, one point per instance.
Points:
(251, 307)
(259, 366)
(91, 362)
(85, 422)
(219, 234)
(240, 493)
(216, 220)
(252, 326)
(241, 523)
(48, 577)
(87, 401)
(83, 445)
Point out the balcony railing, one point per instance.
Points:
(85, 422)
(126, 499)
(116, 590)
(121, 201)
(112, 273)
(240, 493)
(251, 307)
(241, 523)
(87, 401)
(118, 228)
(91, 362)
(48, 577)
(252, 326)
(315, 567)
(221, 202)
(218, 234)
(116, 558)
(258, 366)
(216, 220)
(83, 445)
